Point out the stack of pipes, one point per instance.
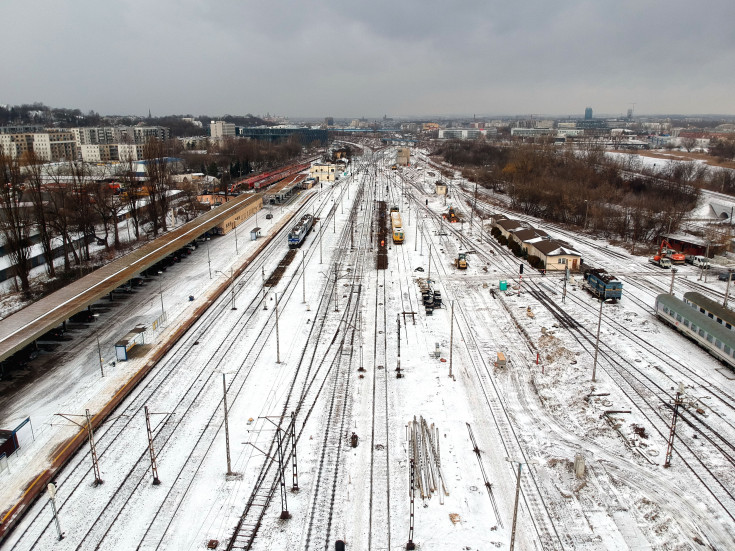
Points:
(424, 450)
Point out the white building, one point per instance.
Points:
(220, 129)
(466, 133)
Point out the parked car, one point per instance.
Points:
(723, 276)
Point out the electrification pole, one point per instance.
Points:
(451, 339)
(93, 450)
(227, 424)
(597, 343)
(278, 340)
(154, 467)
(99, 349)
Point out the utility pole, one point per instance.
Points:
(321, 228)
(727, 291)
(160, 290)
(154, 467)
(597, 343)
(701, 267)
(278, 340)
(93, 449)
(564, 292)
(336, 309)
(99, 349)
(474, 206)
(303, 275)
(51, 490)
(515, 507)
(671, 287)
(398, 323)
(227, 425)
(672, 433)
(416, 238)
(232, 284)
(421, 246)
(209, 260)
(236, 250)
(282, 480)
(411, 544)
(295, 487)
(429, 276)
(451, 339)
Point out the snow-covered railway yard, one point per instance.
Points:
(315, 358)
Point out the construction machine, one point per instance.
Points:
(667, 251)
(461, 261)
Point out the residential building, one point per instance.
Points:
(55, 145)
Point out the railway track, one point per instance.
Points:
(108, 435)
(319, 365)
(543, 524)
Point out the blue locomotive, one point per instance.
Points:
(602, 284)
(299, 232)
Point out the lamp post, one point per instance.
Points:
(586, 210)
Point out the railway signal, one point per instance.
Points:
(520, 278)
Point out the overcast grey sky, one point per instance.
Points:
(345, 58)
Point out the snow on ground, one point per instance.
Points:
(541, 414)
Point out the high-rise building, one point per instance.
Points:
(220, 129)
(588, 114)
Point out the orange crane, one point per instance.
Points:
(666, 250)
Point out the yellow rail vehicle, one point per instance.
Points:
(396, 225)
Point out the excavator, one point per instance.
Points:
(667, 251)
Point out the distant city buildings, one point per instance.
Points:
(91, 144)
(588, 114)
(466, 133)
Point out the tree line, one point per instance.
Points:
(614, 197)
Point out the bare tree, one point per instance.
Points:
(61, 213)
(81, 187)
(15, 220)
(38, 195)
(688, 143)
(131, 196)
(158, 172)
